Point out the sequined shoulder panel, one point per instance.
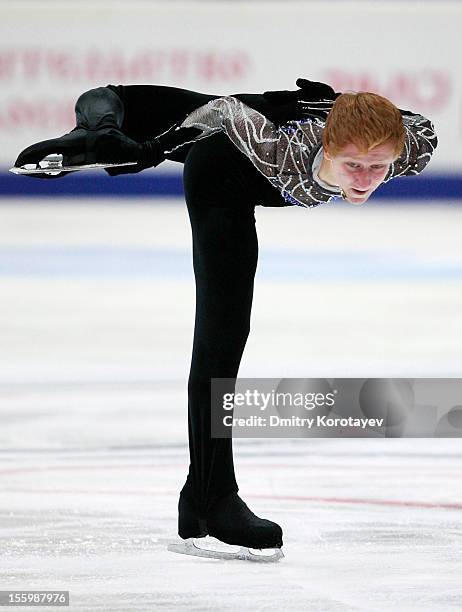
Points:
(284, 155)
(421, 141)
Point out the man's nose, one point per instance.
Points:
(363, 179)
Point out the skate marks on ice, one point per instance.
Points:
(212, 548)
(98, 522)
(92, 406)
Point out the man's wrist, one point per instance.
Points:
(151, 153)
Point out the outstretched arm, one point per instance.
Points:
(280, 154)
(250, 131)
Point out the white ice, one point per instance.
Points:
(96, 321)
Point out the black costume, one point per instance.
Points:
(222, 188)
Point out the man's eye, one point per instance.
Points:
(378, 167)
(352, 165)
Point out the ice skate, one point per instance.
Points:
(235, 532)
(210, 549)
(77, 150)
(53, 165)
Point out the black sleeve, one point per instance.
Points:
(150, 110)
(283, 106)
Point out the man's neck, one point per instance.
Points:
(325, 172)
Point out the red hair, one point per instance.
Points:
(366, 120)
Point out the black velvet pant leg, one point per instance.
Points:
(225, 249)
(221, 189)
(99, 108)
(140, 111)
(150, 110)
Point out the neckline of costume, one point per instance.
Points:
(316, 166)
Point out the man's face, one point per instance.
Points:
(360, 174)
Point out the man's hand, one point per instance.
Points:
(115, 148)
(294, 105)
(314, 90)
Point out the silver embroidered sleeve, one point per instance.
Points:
(420, 143)
(297, 139)
(251, 132)
(279, 154)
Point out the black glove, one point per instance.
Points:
(314, 90)
(310, 90)
(117, 148)
(292, 106)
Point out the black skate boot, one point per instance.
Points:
(232, 522)
(75, 148)
(83, 148)
(189, 524)
(96, 139)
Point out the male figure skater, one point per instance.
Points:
(275, 149)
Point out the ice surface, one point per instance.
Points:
(96, 315)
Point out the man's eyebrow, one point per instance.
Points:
(361, 161)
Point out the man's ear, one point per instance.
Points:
(327, 155)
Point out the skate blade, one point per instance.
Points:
(189, 547)
(53, 164)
